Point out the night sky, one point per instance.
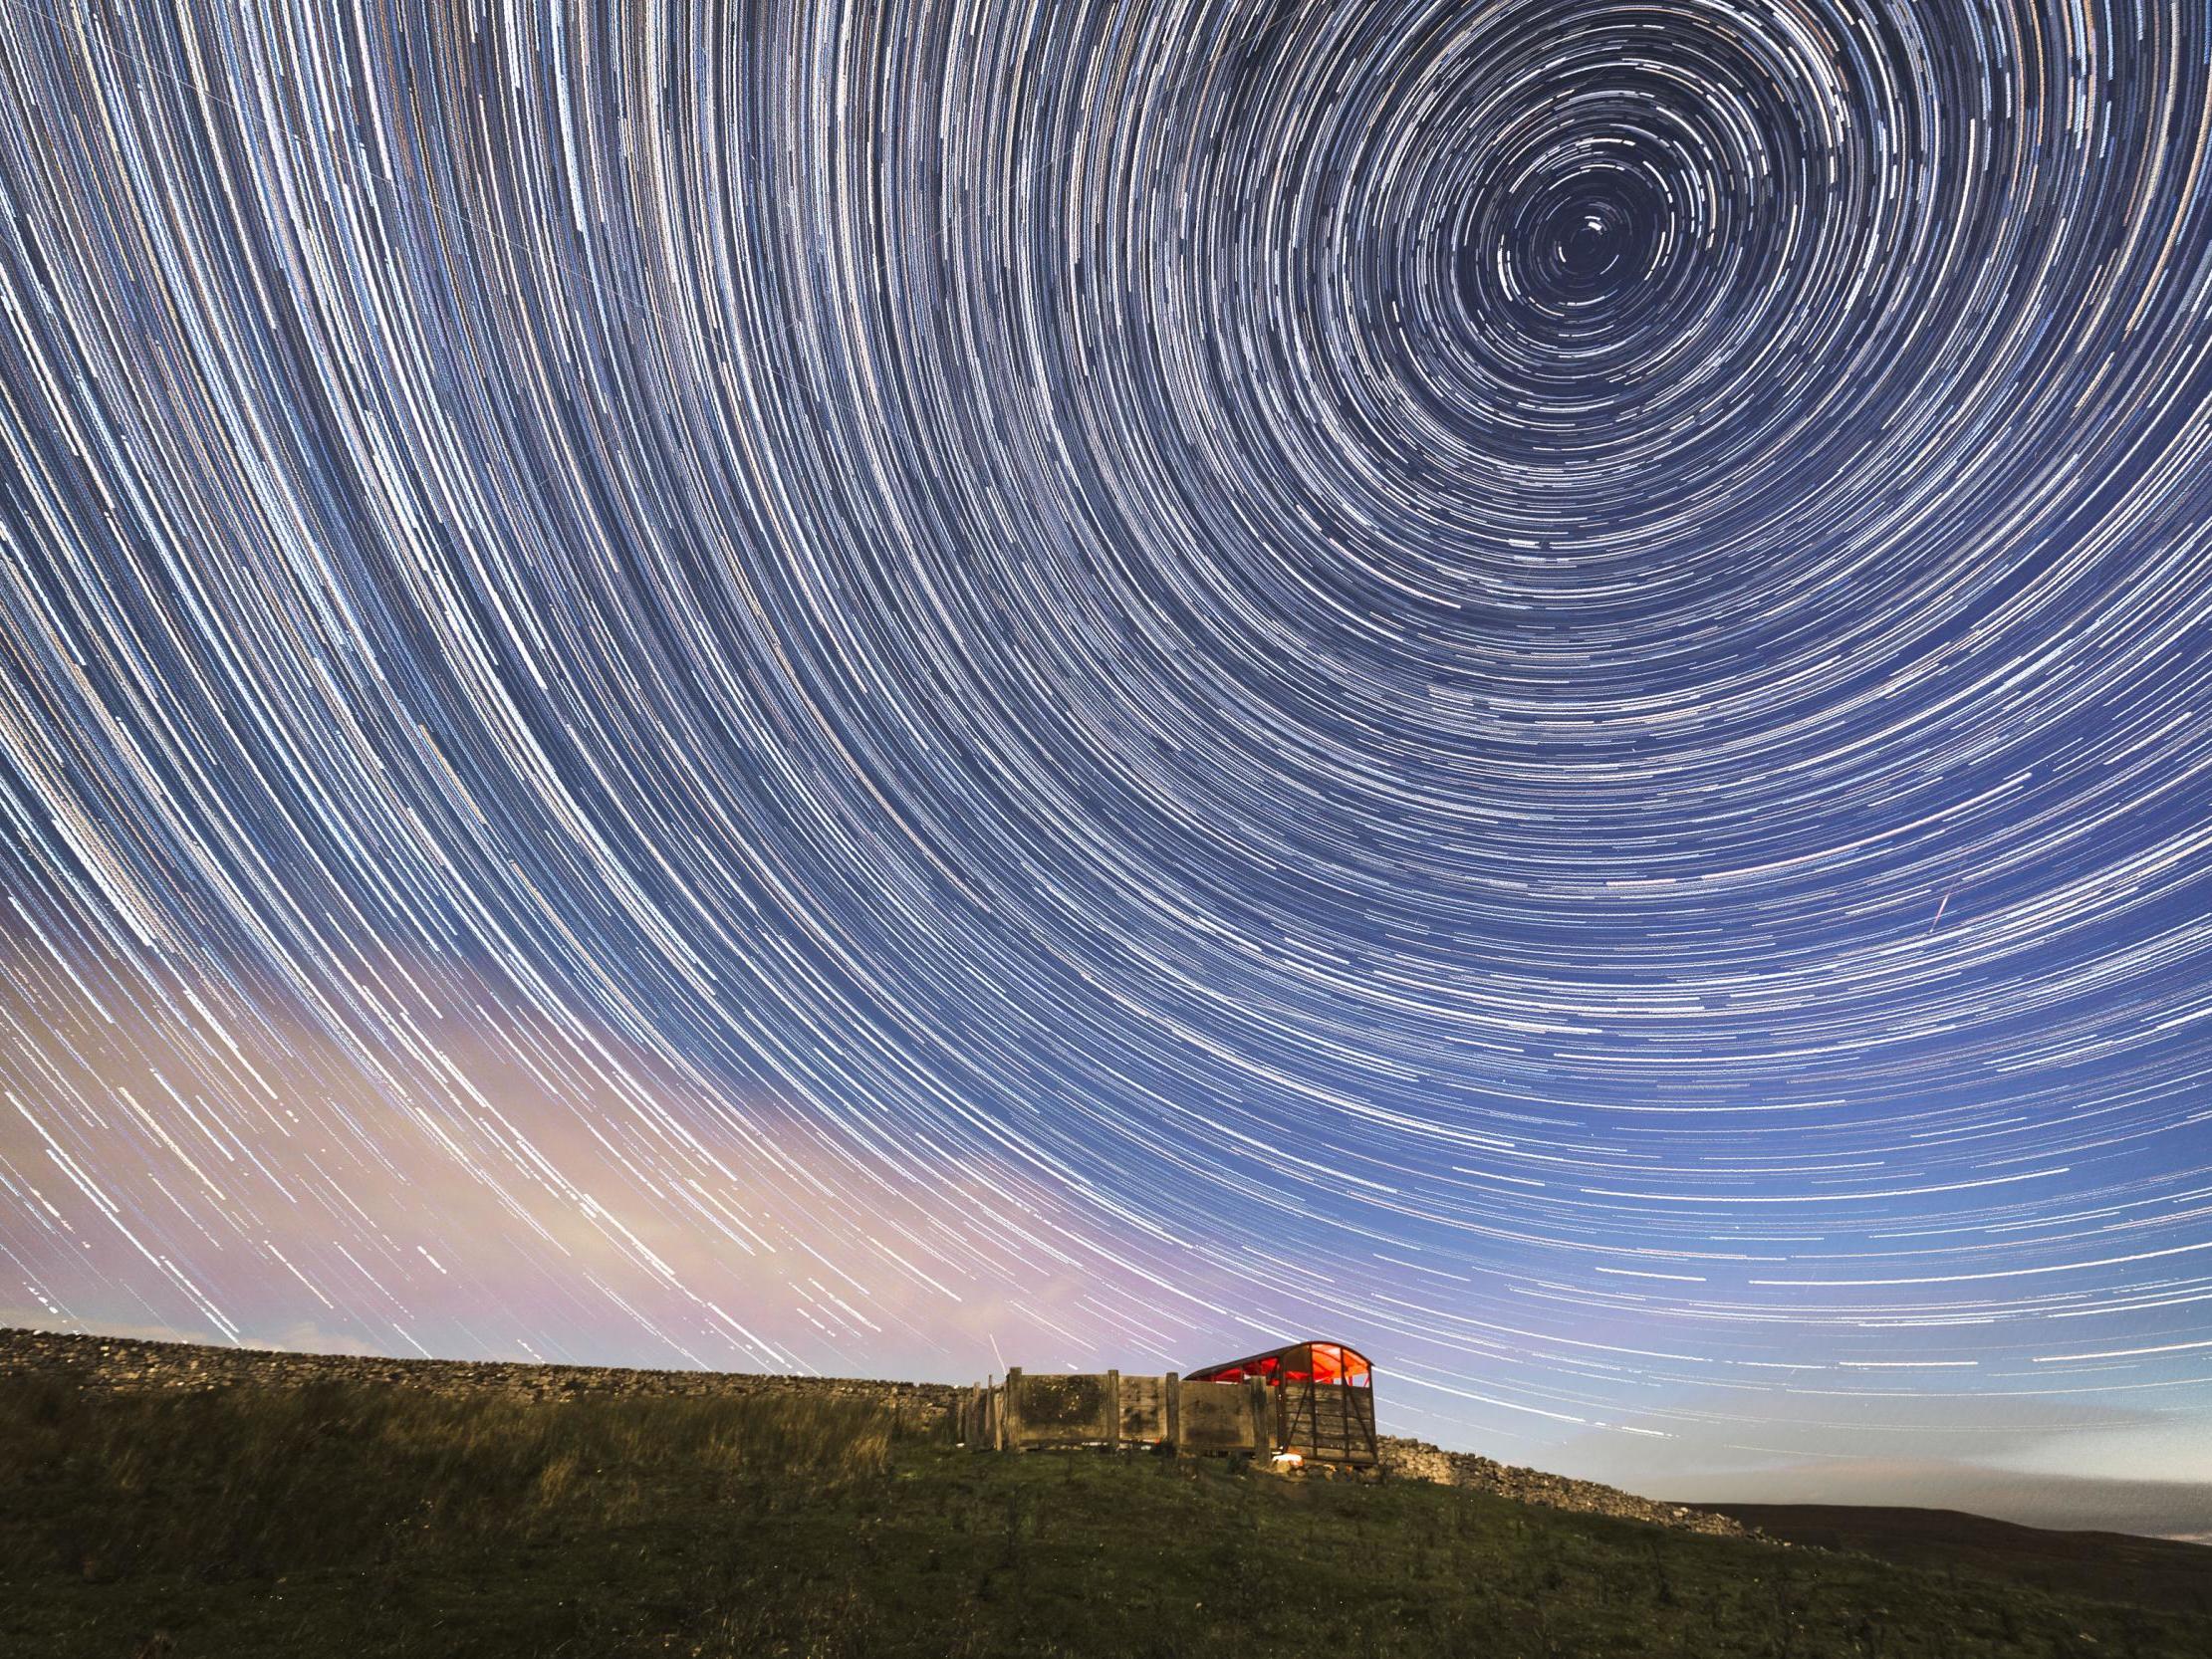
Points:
(890, 689)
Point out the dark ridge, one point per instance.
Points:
(2107, 1566)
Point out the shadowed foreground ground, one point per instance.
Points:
(364, 1519)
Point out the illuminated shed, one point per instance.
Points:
(1323, 1395)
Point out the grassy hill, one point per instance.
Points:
(375, 1519)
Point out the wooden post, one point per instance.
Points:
(1174, 1387)
(1113, 1411)
(1011, 1409)
(1263, 1439)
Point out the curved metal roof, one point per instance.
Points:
(1303, 1342)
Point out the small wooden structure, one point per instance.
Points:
(1321, 1396)
(1315, 1399)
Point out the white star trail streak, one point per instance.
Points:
(887, 688)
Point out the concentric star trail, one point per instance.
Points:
(809, 685)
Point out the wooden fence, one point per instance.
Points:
(1114, 1412)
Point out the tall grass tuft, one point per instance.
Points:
(259, 1482)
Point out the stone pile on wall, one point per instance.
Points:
(1420, 1460)
(108, 1362)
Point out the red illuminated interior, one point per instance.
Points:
(1302, 1362)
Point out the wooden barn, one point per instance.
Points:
(1322, 1398)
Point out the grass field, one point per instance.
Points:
(358, 1520)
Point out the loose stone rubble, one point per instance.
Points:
(1418, 1460)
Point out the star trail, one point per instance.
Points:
(889, 689)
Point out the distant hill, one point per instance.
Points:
(181, 1504)
(2110, 1566)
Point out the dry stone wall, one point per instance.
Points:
(107, 1363)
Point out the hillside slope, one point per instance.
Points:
(135, 1366)
(358, 1518)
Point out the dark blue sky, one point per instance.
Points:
(894, 689)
